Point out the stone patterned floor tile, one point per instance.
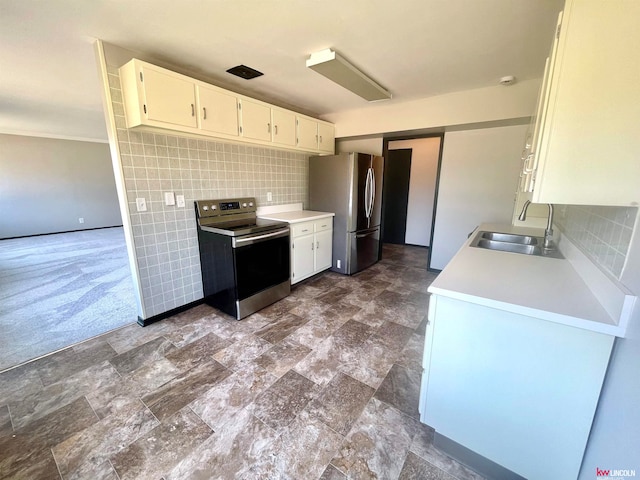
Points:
(5, 421)
(335, 295)
(51, 398)
(199, 351)
(415, 468)
(377, 444)
(131, 387)
(281, 402)
(142, 354)
(160, 450)
(278, 309)
(242, 352)
(184, 334)
(411, 355)
(401, 389)
(282, 357)
(131, 336)
(19, 383)
(84, 454)
(332, 473)
(422, 446)
(183, 389)
(231, 395)
(322, 364)
(340, 403)
(281, 327)
(229, 452)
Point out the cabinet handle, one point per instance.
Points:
(528, 164)
(276, 129)
(316, 138)
(204, 111)
(317, 245)
(193, 110)
(305, 230)
(320, 138)
(312, 245)
(268, 128)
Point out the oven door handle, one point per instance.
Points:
(238, 242)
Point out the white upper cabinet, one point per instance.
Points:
(315, 135)
(586, 150)
(255, 120)
(307, 133)
(326, 138)
(217, 110)
(283, 127)
(159, 98)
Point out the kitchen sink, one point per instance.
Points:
(508, 242)
(510, 238)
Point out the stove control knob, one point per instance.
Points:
(251, 204)
(205, 208)
(244, 205)
(213, 207)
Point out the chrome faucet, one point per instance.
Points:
(548, 232)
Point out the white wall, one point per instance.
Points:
(372, 146)
(477, 177)
(48, 184)
(422, 187)
(481, 105)
(615, 435)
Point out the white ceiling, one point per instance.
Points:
(414, 48)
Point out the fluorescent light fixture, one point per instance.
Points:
(337, 69)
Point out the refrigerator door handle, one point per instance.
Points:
(367, 194)
(373, 192)
(367, 234)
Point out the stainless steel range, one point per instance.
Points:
(244, 259)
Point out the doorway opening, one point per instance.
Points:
(409, 193)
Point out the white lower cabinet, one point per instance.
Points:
(515, 389)
(311, 248)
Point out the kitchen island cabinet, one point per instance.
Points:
(514, 365)
(311, 241)
(585, 142)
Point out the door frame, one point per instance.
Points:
(385, 154)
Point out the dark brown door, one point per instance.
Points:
(395, 195)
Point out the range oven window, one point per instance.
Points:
(261, 265)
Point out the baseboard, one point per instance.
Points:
(485, 467)
(170, 313)
(65, 231)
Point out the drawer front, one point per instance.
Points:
(323, 224)
(298, 229)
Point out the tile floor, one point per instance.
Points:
(322, 385)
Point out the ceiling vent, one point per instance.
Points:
(245, 72)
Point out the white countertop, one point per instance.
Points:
(546, 288)
(296, 216)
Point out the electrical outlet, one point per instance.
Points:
(169, 199)
(180, 201)
(141, 204)
(269, 197)
(339, 263)
(81, 220)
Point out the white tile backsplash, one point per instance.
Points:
(602, 233)
(165, 237)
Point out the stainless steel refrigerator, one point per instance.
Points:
(349, 185)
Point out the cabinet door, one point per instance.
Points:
(302, 250)
(326, 138)
(218, 111)
(256, 120)
(307, 133)
(284, 127)
(169, 98)
(588, 153)
(324, 243)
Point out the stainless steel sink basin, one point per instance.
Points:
(507, 242)
(510, 238)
